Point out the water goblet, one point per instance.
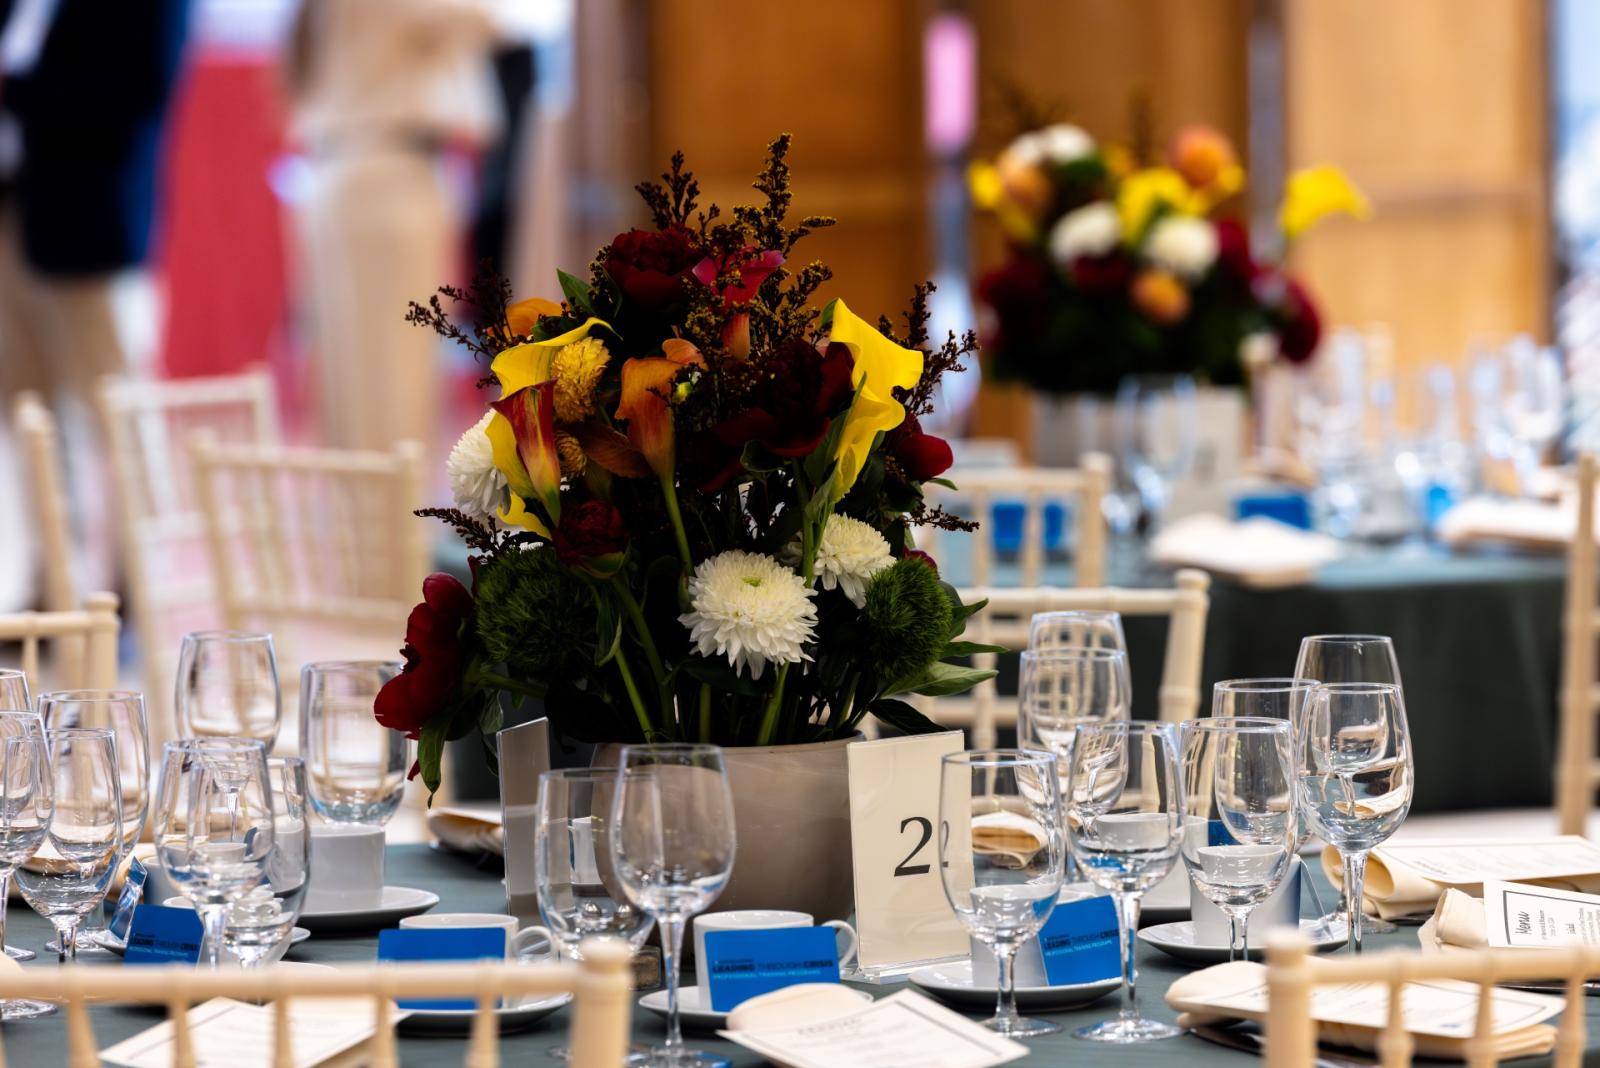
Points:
(26, 802)
(14, 724)
(672, 846)
(1158, 427)
(355, 767)
(260, 923)
(1002, 897)
(14, 691)
(1076, 629)
(228, 686)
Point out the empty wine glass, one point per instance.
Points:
(1356, 777)
(68, 876)
(1158, 430)
(260, 923)
(672, 845)
(228, 686)
(25, 808)
(214, 827)
(1240, 819)
(1124, 812)
(579, 900)
(122, 712)
(14, 691)
(19, 724)
(1076, 629)
(1001, 890)
(355, 767)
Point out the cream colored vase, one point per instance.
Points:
(791, 812)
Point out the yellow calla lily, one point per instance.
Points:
(881, 366)
(1142, 193)
(529, 364)
(1316, 192)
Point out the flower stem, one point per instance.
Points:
(641, 629)
(670, 493)
(705, 720)
(769, 717)
(501, 682)
(633, 695)
(847, 701)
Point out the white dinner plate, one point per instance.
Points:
(398, 903)
(119, 947)
(1177, 940)
(694, 1016)
(952, 983)
(459, 1021)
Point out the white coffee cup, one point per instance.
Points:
(516, 941)
(1027, 967)
(346, 868)
(1281, 909)
(757, 920)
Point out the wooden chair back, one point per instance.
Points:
(83, 640)
(1577, 768)
(598, 1033)
(1293, 972)
(1004, 621)
(39, 439)
(980, 488)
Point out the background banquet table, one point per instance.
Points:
(463, 887)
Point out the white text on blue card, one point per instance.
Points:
(743, 964)
(1079, 942)
(161, 935)
(441, 943)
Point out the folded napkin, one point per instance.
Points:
(468, 828)
(1256, 552)
(1393, 888)
(1527, 524)
(1457, 924)
(1008, 834)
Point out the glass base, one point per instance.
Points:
(686, 1058)
(86, 942)
(20, 954)
(636, 1057)
(1127, 1032)
(1334, 926)
(1020, 1026)
(25, 1009)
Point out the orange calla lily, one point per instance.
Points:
(881, 367)
(524, 315)
(646, 388)
(524, 444)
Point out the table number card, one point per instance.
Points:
(525, 747)
(902, 916)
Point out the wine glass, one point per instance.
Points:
(1240, 818)
(1076, 629)
(672, 845)
(355, 767)
(261, 921)
(1124, 811)
(228, 686)
(214, 827)
(19, 724)
(1002, 896)
(122, 712)
(67, 877)
(1356, 777)
(1158, 430)
(25, 808)
(14, 691)
(1350, 658)
(576, 898)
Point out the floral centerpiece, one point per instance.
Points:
(691, 499)
(1113, 269)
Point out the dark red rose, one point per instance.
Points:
(435, 657)
(797, 393)
(920, 456)
(1233, 250)
(590, 532)
(1100, 276)
(1301, 327)
(918, 554)
(653, 267)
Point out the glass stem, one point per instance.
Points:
(671, 961)
(5, 892)
(1355, 873)
(1128, 907)
(1237, 940)
(67, 941)
(215, 918)
(1005, 1004)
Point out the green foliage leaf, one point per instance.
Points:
(941, 680)
(759, 460)
(960, 613)
(608, 629)
(958, 649)
(942, 481)
(430, 752)
(576, 290)
(904, 718)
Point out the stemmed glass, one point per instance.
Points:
(1158, 429)
(20, 724)
(1356, 776)
(1076, 629)
(26, 802)
(122, 712)
(672, 845)
(214, 827)
(1240, 817)
(1001, 897)
(67, 878)
(1124, 812)
(572, 832)
(260, 922)
(14, 691)
(355, 767)
(1350, 658)
(228, 686)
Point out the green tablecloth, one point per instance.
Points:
(42, 1043)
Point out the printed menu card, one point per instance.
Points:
(1404, 878)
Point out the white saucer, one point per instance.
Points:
(398, 903)
(690, 1013)
(953, 983)
(119, 947)
(459, 1021)
(1177, 940)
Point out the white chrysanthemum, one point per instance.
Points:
(851, 552)
(1092, 230)
(1183, 245)
(476, 484)
(1058, 144)
(751, 609)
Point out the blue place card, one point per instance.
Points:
(742, 964)
(441, 943)
(1080, 943)
(130, 898)
(1287, 506)
(160, 935)
(1217, 834)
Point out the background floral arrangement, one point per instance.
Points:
(1115, 269)
(691, 502)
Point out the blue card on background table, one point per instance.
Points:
(160, 935)
(441, 943)
(131, 897)
(743, 964)
(1080, 943)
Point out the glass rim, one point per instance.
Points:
(1277, 684)
(286, 762)
(1101, 613)
(604, 771)
(62, 732)
(222, 635)
(1128, 726)
(89, 695)
(8, 673)
(230, 743)
(1347, 639)
(671, 747)
(999, 758)
(1074, 652)
(30, 713)
(1359, 687)
(1241, 724)
(332, 666)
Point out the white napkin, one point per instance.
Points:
(1524, 523)
(1257, 551)
(468, 828)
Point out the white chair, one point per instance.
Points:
(83, 641)
(1577, 769)
(980, 488)
(146, 426)
(1004, 621)
(40, 441)
(598, 1032)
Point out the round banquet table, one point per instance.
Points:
(464, 888)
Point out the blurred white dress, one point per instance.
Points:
(390, 83)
